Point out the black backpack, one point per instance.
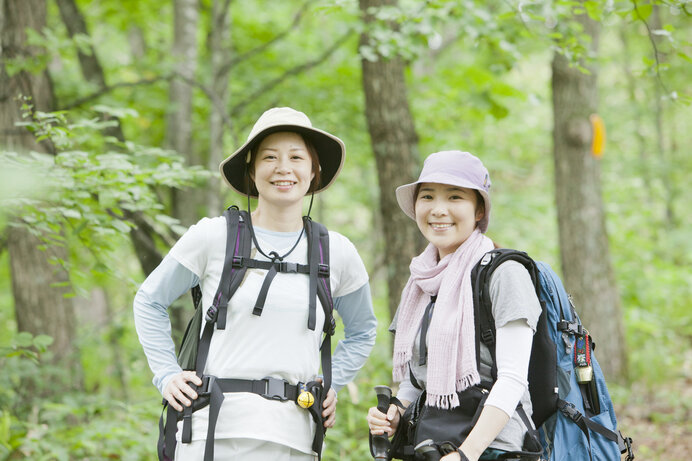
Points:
(195, 349)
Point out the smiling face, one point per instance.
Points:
(282, 168)
(447, 215)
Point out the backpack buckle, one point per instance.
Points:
(288, 267)
(571, 327)
(486, 259)
(237, 261)
(208, 382)
(571, 412)
(275, 389)
(627, 442)
(323, 270)
(212, 313)
(488, 336)
(332, 327)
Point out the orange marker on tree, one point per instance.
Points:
(598, 134)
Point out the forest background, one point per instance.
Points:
(115, 115)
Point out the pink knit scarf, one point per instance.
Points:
(451, 335)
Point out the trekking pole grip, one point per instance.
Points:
(384, 395)
(381, 443)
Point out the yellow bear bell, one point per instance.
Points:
(305, 399)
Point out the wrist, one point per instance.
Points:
(462, 455)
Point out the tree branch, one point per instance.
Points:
(293, 71)
(149, 81)
(519, 13)
(75, 24)
(210, 95)
(653, 44)
(108, 88)
(248, 54)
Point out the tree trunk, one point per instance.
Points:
(220, 47)
(179, 119)
(395, 145)
(659, 115)
(142, 235)
(39, 286)
(186, 203)
(583, 239)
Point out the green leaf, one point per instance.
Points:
(167, 220)
(24, 339)
(122, 226)
(119, 112)
(642, 11)
(42, 342)
(368, 53)
(70, 213)
(594, 10)
(684, 56)
(5, 423)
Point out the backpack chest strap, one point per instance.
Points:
(274, 267)
(279, 266)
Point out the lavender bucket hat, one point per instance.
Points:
(451, 167)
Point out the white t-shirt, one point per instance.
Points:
(278, 343)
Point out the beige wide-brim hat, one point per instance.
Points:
(330, 149)
(451, 167)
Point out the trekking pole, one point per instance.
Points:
(380, 443)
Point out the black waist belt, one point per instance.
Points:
(269, 388)
(211, 393)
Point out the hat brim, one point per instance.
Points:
(330, 152)
(407, 201)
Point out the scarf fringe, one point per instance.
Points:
(469, 380)
(444, 402)
(448, 401)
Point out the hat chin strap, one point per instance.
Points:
(254, 239)
(312, 197)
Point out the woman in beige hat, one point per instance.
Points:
(434, 347)
(284, 159)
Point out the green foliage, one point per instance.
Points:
(85, 191)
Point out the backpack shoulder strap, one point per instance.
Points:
(480, 279)
(318, 261)
(237, 246)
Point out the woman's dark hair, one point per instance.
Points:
(314, 157)
(480, 202)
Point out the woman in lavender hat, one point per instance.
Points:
(434, 342)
